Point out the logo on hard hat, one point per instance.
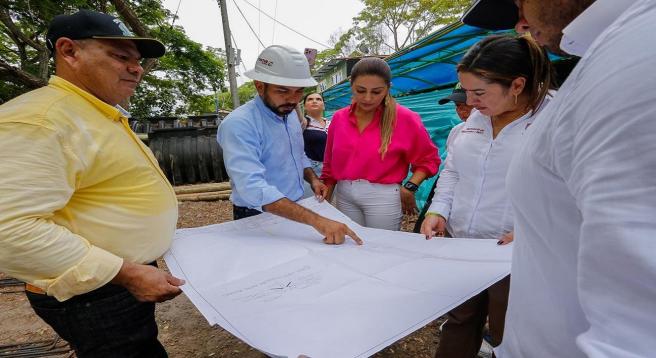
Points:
(265, 61)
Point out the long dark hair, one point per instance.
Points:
(377, 67)
(503, 58)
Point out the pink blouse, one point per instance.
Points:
(351, 155)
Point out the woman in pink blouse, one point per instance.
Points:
(371, 145)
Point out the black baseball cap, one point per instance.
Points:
(87, 24)
(458, 96)
(492, 14)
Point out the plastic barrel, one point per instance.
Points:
(188, 155)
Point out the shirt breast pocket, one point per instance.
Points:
(467, 153)
(298, 143)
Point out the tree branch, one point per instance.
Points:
(20, 39)
(20, 77)
(17, 33)
(408, 36)
(130, 17)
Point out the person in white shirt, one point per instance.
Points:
(583, 186)
(506, 79)
(463, 110)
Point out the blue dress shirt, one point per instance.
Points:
(263, 154)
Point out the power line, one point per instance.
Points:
(275, 13)
(237, 47)
(248, 23)
(287, 27)
(176, 13)
(259, 22)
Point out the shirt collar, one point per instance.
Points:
(377, 115)
(123, 111)
(259, 102)
(581, 33)
(110, 111)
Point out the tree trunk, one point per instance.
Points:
(19, 76)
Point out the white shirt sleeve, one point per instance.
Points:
(444, 189)
(612, 177)
(453, 134)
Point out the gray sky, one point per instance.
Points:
(316, 19)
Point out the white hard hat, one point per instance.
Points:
(283, 66)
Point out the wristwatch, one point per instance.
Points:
(411, 186)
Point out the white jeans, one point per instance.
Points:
(370, 204)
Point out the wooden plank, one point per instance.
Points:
(202, 188)
(204, 197)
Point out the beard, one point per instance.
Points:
(281, 110)
(555, 17)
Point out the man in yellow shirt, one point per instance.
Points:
(84, 208)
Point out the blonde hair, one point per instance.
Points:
(387, 124)
(378, 67)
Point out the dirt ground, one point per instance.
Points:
(182, 329)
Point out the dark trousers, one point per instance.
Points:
(462, 334)
(106, 322)
(241, 212)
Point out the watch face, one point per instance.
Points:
(411, 186)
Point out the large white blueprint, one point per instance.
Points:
(274, 284)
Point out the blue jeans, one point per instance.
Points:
(106, 322)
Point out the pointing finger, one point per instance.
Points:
(353, 236)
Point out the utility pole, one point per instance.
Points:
(230, 54)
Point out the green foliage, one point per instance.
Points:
(403, 21)
(183, 78)
(151, 12)
(342, 47)
(246, 92)
(179, 84)
(9, 90)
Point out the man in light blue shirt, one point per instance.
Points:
(262, 146)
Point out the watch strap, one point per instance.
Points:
(411, 186)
